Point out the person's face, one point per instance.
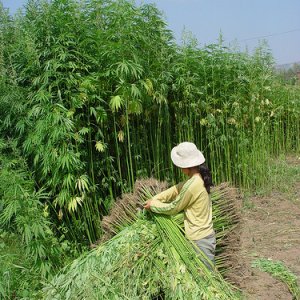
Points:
(185, 171)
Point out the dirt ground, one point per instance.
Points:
(270, 228)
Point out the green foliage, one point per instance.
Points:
(16, 276)
(146, 255)
(30, 251)
(279, 271)
(96, 93)
(77, 57)
(290, 75)
(279, 169)
(149, 258)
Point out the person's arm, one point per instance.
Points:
(170, 194)
(182, 200)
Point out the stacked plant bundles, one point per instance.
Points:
(148, 257)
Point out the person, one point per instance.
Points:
(191, 197)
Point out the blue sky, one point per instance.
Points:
(242, 22)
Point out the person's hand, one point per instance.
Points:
(147, 205)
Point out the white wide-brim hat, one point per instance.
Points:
(186, 155)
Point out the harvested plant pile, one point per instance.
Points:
(93, 95)
(279, 271)
(147, 256)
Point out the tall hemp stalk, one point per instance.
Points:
(99, 107)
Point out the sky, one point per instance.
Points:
(243, 23)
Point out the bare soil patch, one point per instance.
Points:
(270, 228)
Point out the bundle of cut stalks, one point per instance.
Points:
(125, 209)
(147, 256)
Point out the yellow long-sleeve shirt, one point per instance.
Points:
(192, 198)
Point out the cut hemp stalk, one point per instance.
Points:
(279, 271)
(145, 256)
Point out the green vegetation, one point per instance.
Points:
(94, 94)
(279, 271)
(93, 106)
(290, 74)
(147, 244)
(29, 249)
(281, 168)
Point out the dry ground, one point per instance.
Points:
(270, 228)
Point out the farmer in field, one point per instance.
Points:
(191, 197)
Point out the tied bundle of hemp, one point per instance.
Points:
(125, 210)
(149, 258)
